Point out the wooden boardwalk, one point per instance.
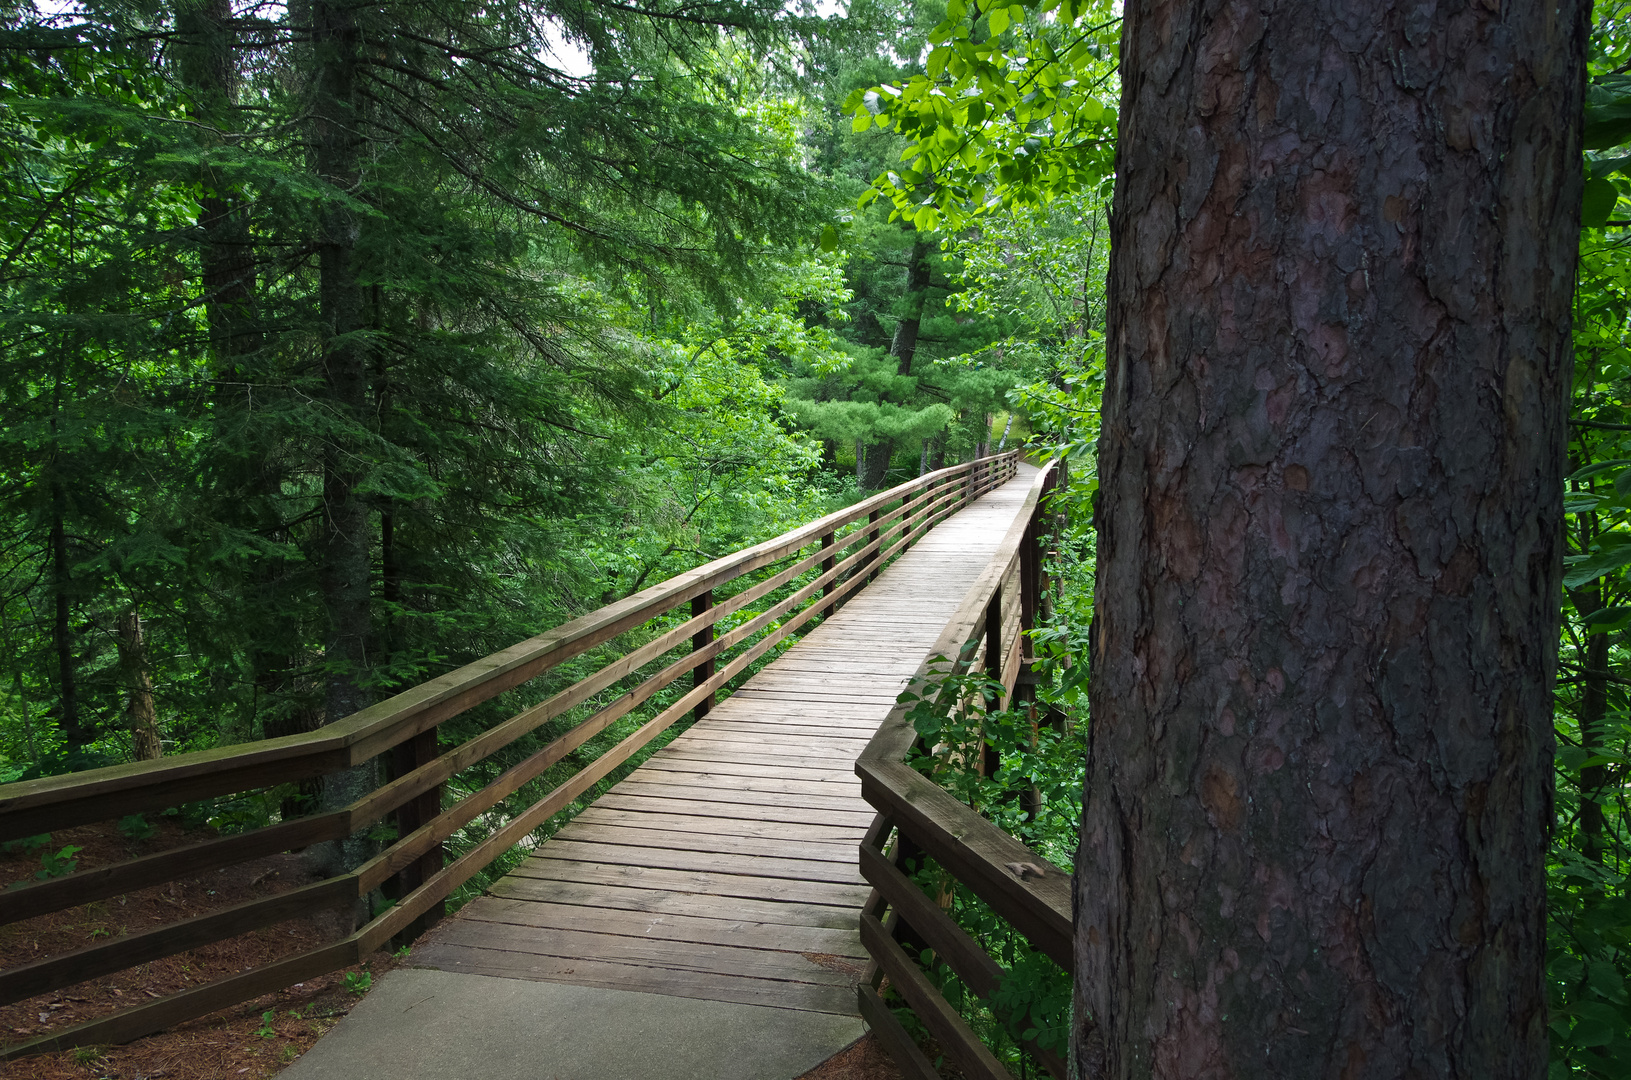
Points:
(725, 867)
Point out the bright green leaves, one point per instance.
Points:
(1598, 202)
(1608, 112)
(1607, 130)
(1603, 490)
(994, 126)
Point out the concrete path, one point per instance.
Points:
(419, 1023)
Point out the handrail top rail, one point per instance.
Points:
(894, 735)
(426, 704)
(935, 819)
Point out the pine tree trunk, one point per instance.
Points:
(208, 70)
(903, 347)
(876, 471)
(62, 634)
(1329, 542)
(137, 675)
(344, 551)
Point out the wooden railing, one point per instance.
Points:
(842, 551)
(917, 817)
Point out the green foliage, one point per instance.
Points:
(1009, 112)
(59, 863)
(358, 982)
(135, 827)
(28, 845)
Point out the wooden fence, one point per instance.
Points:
(843, 551)
(917, 817)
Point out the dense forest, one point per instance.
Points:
(344, 344)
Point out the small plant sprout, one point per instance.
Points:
(59, 864)
(358, 982)
(28, 845)
(135, 827)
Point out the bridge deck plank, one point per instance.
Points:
(724, 867)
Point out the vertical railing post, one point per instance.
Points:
(994, 656)
(827, 541)
(872, 538)
(1030, 575)
(699, 641)
(406, 756)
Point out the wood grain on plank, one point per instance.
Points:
(773, 993)
(683, 840)
(661, 926)
(742, 886)
(722, 862)
(674, 902)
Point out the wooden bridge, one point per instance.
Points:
(753, 858)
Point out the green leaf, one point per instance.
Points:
(1597, 203)
(999, 21)
(829, 239)
(1599, 467)
(1584, 568)
(1579, 502)
(1607, 620)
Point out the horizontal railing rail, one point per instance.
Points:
(917, 817)
(821, 563)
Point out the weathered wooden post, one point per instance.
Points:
(827, 541)
(407, 756)
(699, 641)
(872, 538)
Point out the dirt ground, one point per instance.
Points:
(242, 1041)
(863, 1059)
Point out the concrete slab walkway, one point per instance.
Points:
(421, 1023)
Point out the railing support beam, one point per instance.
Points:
(701, 640)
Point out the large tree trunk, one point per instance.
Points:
(1329, 552)
(344, 550)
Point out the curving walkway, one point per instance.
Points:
(701, 918)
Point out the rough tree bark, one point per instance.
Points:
(1329, 540)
